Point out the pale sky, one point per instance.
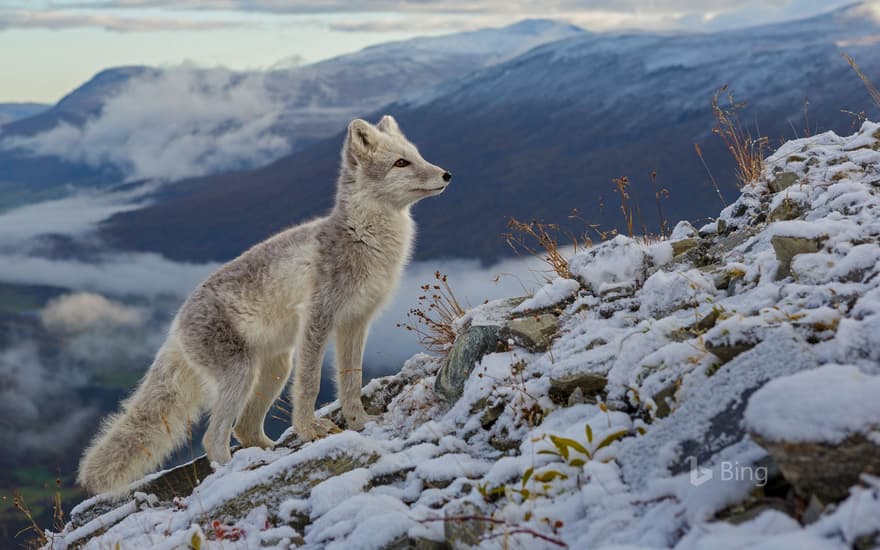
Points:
(48, 47)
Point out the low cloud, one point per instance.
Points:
(81, 311)
(135, 274)
(174, 123)
(75, 215)
(419, 23)
(38, 403)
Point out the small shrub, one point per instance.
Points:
(432, 320)
(747, 151)
(533, 236)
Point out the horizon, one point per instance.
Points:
(101, 34)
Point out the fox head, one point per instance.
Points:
(382, 164)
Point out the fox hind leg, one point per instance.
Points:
(234, 386)
(272, 377)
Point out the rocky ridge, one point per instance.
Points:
(627, 405)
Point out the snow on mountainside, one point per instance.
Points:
(626, 410)
(187, 121)
(546, 131)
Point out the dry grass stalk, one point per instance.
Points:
(622, 188)
(875, 93)
(432, 320)
(660, 194)
(711, 177)
(533, 237)
(748, 152)
(40, 539)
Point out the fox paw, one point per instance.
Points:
(357, 420)
(315, 428)
(260, 440)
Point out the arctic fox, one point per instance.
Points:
(229, 347)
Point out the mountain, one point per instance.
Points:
(26, 174)
(689, 393)
(13, 111)
(545, 132)
(140, 123)
(78, 106)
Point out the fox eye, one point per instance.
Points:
(400, 163)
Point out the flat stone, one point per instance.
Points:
(823, 469)
(662, 398)
(787, 248)
(589, 384)
(783, 181)
(683, 245)
(788, 209)
(726, 352)
(533, 332)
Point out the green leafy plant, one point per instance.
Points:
(573, 452)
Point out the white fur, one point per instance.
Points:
(230, 344)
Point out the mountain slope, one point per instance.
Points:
(142, 123)
(546, 132)
(691, 393)
(14, 111)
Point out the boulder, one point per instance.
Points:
(466, 352)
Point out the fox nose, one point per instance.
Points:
(447, 176)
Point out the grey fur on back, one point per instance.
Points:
(229, 348)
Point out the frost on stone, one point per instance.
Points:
(826, 404)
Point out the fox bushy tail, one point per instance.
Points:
(153, 422)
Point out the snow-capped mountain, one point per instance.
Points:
(141, 122)
(546, 131)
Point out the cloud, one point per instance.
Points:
(38, 403)
(75, 215)
(138, 274)
(410, 24)
(172, 124)
(56, 20)
(80, 311)
(597, 14)
(54, 385)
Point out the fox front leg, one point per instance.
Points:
(350, 339)
(307, 376)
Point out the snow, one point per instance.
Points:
(556, 291)
(619, 260)
(674, 416)
(826, 404)
(666, 291)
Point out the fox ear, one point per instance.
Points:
(389, 125)
(363, 138)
